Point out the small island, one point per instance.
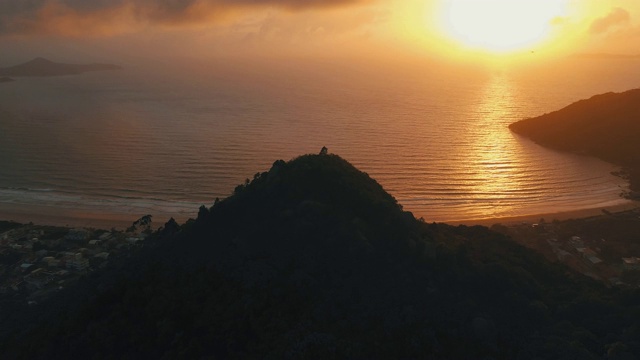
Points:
(41, 67)
(606, 126)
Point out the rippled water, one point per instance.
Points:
(142, 141)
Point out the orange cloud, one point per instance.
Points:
(617, 16)
(106, 17)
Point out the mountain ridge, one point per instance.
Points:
(41, 67)
(313, 259)
(606, 126)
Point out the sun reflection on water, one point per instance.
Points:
(495, 159)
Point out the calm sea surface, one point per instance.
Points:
(147, 141)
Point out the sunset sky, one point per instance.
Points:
(457, 29)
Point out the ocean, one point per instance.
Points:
(167, 138)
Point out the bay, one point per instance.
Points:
(167, 138)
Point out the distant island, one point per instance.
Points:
(606, 126)
(6, 79)
(40, 67)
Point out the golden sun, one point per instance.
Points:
(500, 25)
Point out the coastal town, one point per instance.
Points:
(38, 261)
(604, 247)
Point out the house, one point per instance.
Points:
(562, 254)
(133, 240)
(77, 235)
(38, 279)
(102, 255)
(77, 262)
(615, 281)
(586, 252)
(632, 263)
(589, 255)
(25, 267)
(594, 260)
(51, 261)
(105, 236)
(577, 242)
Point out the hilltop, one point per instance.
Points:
(39, 67)
(606, 126)
(313, 259)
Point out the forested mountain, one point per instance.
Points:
(606, 126)
(313, 259)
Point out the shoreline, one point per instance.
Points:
(548, 216)
(85, 220)
(122, 221)
(104, 221)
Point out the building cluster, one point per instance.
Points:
(38, 260)
(580, 253)
(631, 263)
(576, 248)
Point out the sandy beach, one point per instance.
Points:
(121, 221)
(51, 215)
(550, 216)
(98, 221)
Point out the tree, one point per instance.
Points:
(143, 221)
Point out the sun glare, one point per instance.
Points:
(500, 26)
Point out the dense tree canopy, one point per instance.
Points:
(313, 259)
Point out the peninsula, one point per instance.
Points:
(40, 67)
(606, 126)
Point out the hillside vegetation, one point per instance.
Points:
(313, 259)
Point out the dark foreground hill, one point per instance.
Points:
(43, 67)
(606, 126)
(313, 259)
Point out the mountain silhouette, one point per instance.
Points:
(313, 259)
(40, 67)
(606, 126)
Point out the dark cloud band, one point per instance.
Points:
(69, 16)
